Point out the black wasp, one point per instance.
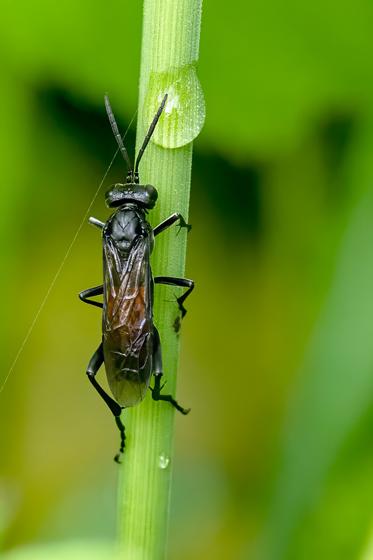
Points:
(130, 347)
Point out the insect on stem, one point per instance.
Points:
(130, 347)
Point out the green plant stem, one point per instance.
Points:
(170, 40)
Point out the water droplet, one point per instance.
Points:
(184, 112)
(163, 461)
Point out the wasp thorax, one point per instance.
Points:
(144, 195)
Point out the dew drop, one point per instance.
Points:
(184, 112)
(163, 461)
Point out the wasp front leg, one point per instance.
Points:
(170, 221)
(96, 222)
(158, 372)
(94, 365)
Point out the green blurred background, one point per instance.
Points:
(275, 462)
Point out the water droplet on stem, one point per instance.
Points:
(163, 461)
(184, 112)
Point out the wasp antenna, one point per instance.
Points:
(118, 138)
(149, 134)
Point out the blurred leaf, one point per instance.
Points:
(74, 550)
(335, 392)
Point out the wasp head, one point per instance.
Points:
(121, 193)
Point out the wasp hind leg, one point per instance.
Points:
(158, 372)
(94, 365)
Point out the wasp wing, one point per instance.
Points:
(127, 320)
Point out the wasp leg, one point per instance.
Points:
(96, 222)
(90, 292)
(170, 221)
(94, 365)
(183, 283)
(156, 391)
